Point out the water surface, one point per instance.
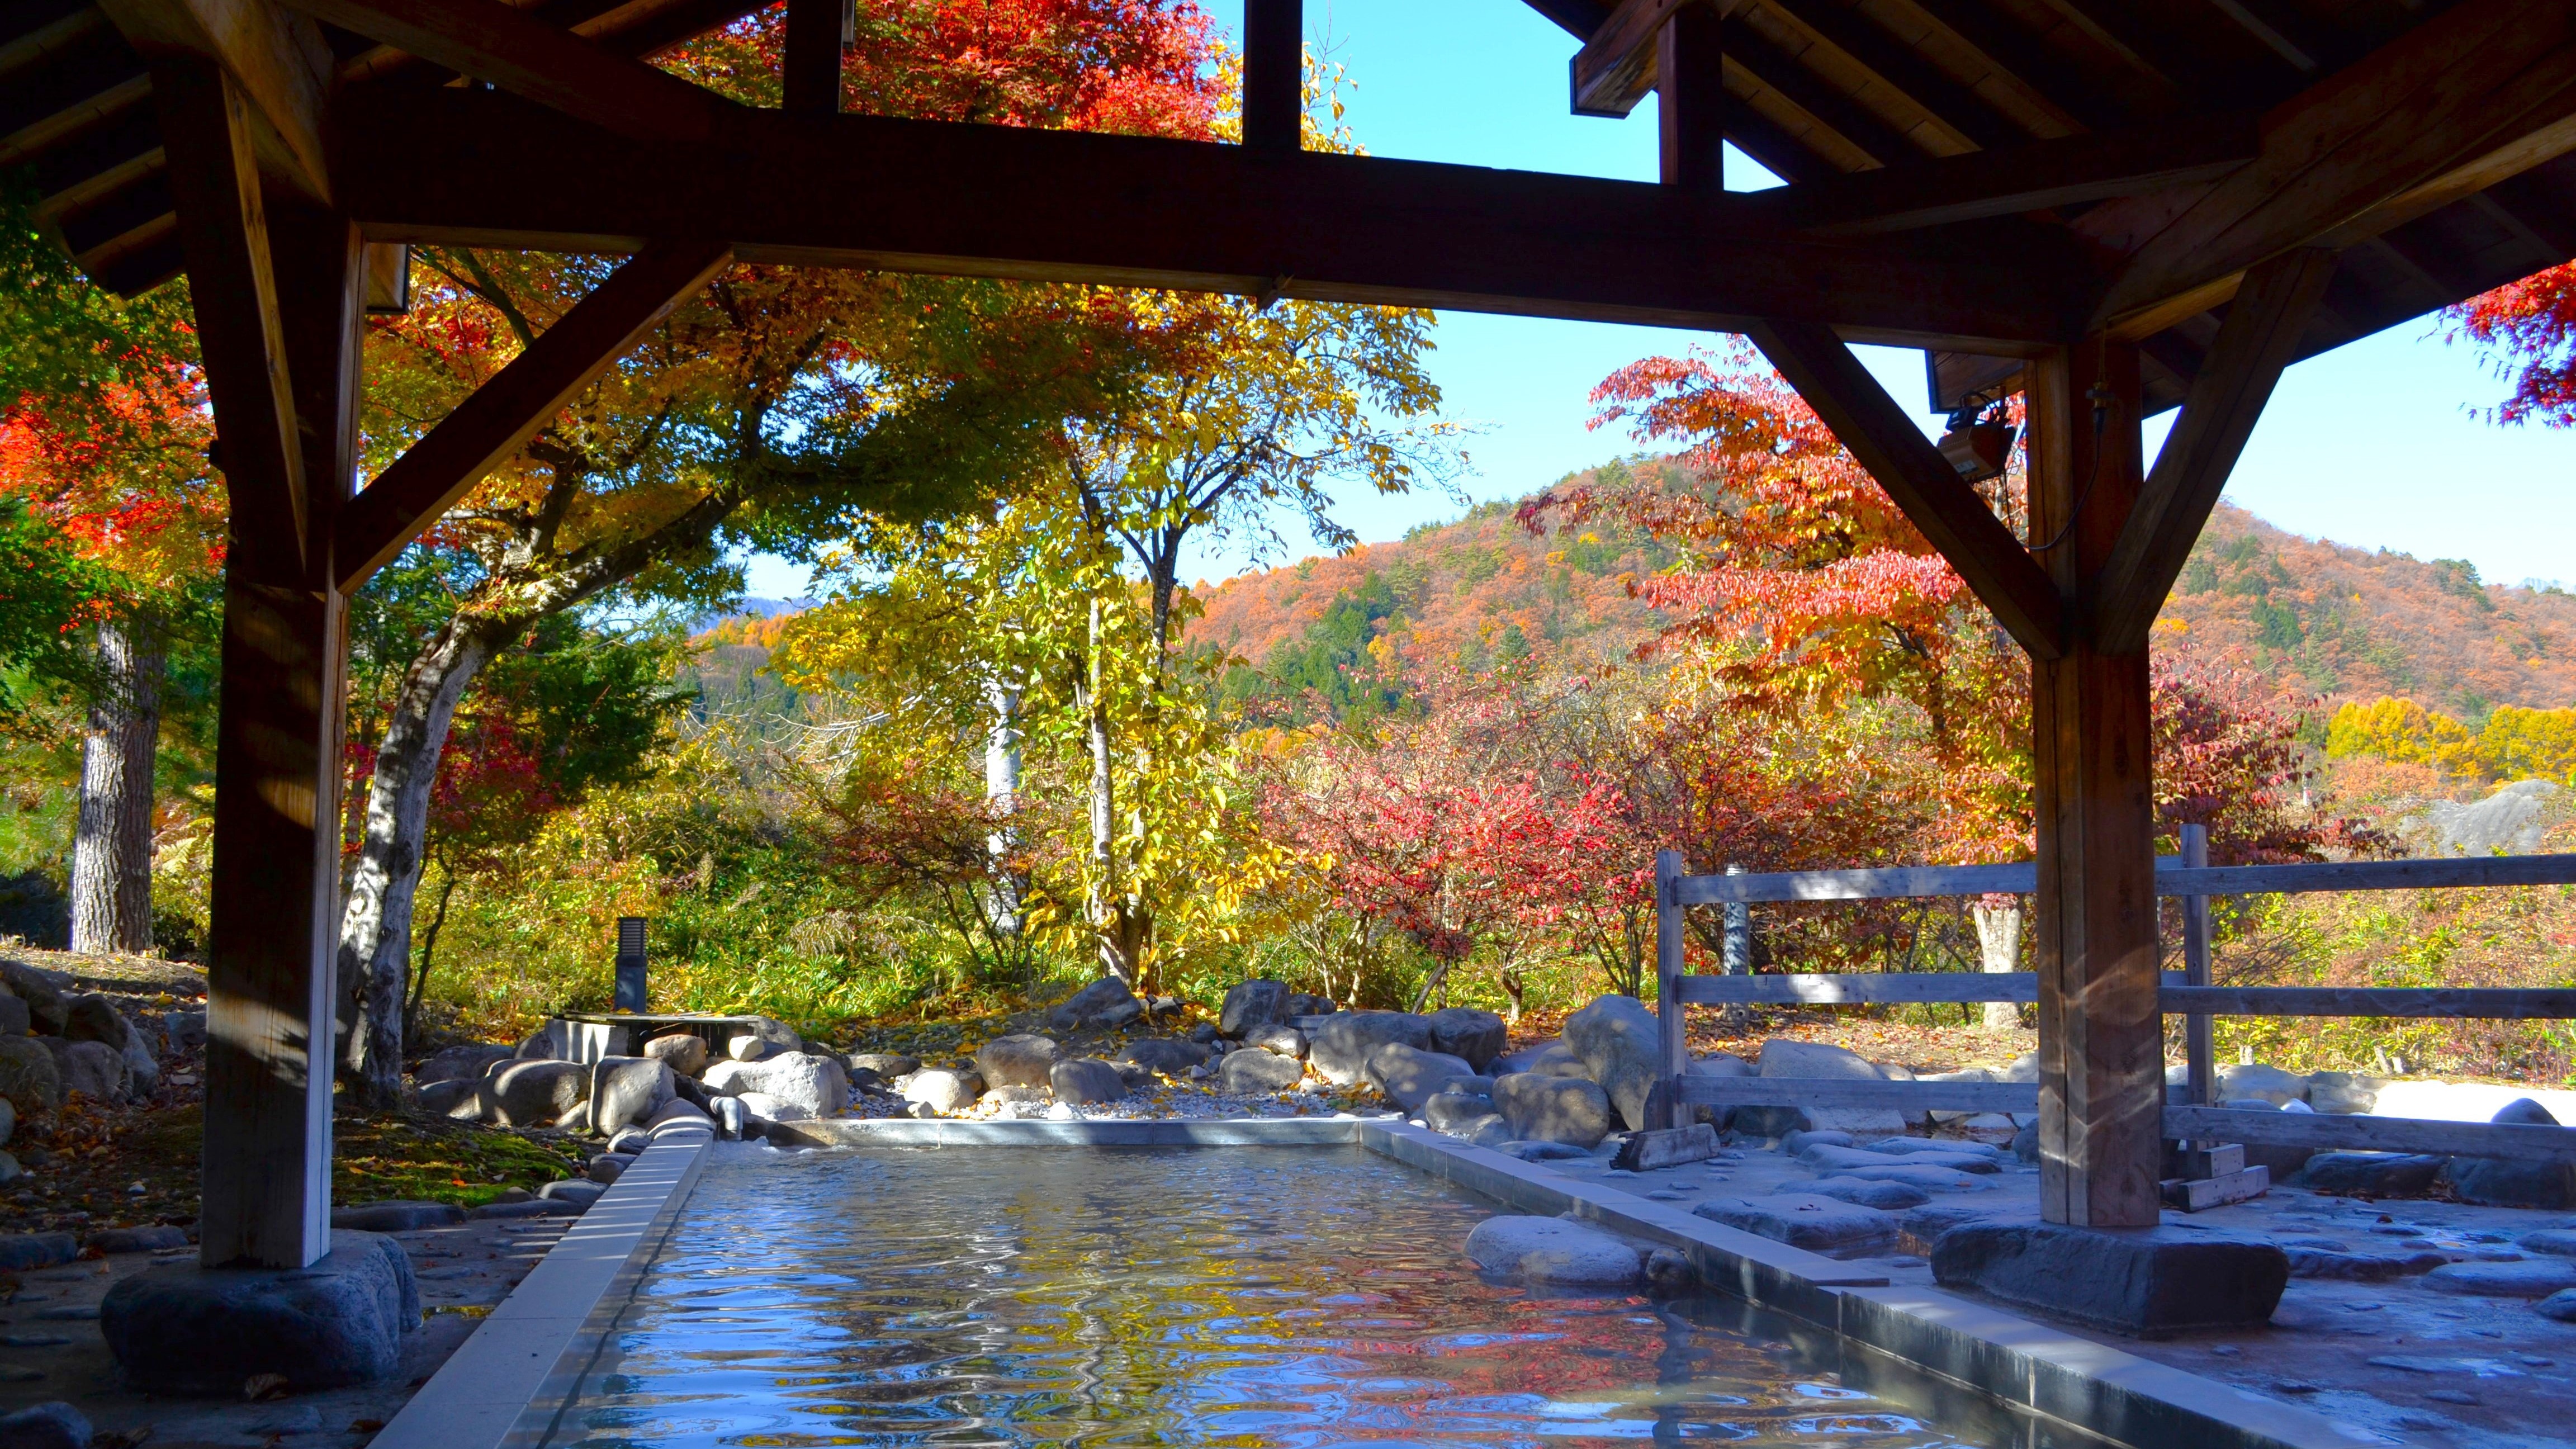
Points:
(1290, 1297)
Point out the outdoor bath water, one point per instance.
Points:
(1295, 1297)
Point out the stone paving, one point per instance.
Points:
(50, 1346)
(2397, 1357)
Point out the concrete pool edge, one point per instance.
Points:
(2043, 1369)
(509, 1381)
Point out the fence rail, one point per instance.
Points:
(2187, 993)
(2173, 878)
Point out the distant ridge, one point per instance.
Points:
(2320, 618)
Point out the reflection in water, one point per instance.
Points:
(1287, 1297)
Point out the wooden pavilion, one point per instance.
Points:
(2113, 207)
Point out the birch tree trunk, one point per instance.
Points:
(1002, 797)
(375, 926)
(112, 841)
(1999, 950)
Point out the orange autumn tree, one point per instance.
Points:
(116, 526)
(1813, 617)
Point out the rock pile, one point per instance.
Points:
(56, 1042)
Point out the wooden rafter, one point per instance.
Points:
(1905, 71)
(1749, 50)
(501, 415)
(811, 68)
(223, 225)
(2021, 178)
(476, 168)
(2023, 57)
(2490, 84)
(1274, 98)
(1947, 511)
(2257, 340)
(279, 64)
(525, 56)
(1616, 67)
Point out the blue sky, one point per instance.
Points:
(2375, 444)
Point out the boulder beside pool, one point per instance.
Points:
(1569, 1110)
(180, 1328)
(1553, 1250)
(1804, 1220)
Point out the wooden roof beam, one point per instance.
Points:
(1846, 116)
(2017, 179)
(470, 167)
(525, 56)
(2464, 100)
(1923, 484)
(1616, 67)
(1905, 71)
(499, 417)
(280, 65)
(1578, 18)
(206, 126)
(2256, 341)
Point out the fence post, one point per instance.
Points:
(1735, 954)
(2197, 1049)
(1668, 987)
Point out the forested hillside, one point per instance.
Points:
(2322, 618)
(2353, 624)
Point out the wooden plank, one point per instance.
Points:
(1904, 70)
(278, 61)
(810, 71)
(1923, 484)
(2200, 1194)
(2436, 873)
(1859, 988)
(2337, 1133)
(2022, 178)
(501, 415)
(1616, 67)
(1578, 18)
(2468, 84)
(1672, 1030)
(2014, 878)
(453, 165)
(1749, 50)
(2101, 1041)
(1274, 74)
(1691, 113)
(1909, 1097)
(2255, 342)
(525, 56)
(2171, 879)
(223, 227)
(2459, 1002)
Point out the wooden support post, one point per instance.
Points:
(1274, 74)
(812, 68)
(275, 886)
(2201, 1062)
(2101, 1038)
(1690, 72)
(1669, 1008)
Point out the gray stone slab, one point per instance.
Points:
(2144, 1281)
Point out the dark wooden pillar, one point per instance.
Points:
(812, 64)
(277, 295)
(1274, 74)
(2101, 1040)
(1690, 76)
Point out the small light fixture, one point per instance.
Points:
(1979, 440)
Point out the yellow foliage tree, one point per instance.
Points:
(2514, 744)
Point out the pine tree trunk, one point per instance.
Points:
(375, 925)
(1999, 950)
(112, 842)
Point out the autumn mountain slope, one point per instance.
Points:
(2322, 618)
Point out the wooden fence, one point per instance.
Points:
(2188, 993)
